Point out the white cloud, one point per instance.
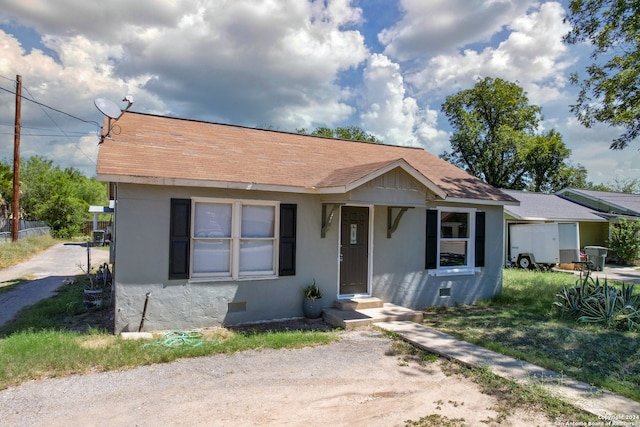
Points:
(533, 55)
(392, 115)
(434, 26)
(590, 148)
(70, 85)
(286, 64)
(247, 62)
(106, 22)
(255, 63)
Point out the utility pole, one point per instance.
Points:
(15, 229)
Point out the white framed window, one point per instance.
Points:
(454, 230)
(234, 239)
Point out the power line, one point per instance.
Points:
(77, 144)
(64, 133)
(43, 134)
(39, 128)
(51, 108)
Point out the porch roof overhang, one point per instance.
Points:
(347, 179)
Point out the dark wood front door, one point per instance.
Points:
(354, 250)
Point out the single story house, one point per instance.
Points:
(224, 225)
(536, 208)
(612, 206)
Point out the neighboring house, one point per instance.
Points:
(542, 208)
(223, 225)
(609, 204)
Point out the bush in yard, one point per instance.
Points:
(625, 240)
(591, 302)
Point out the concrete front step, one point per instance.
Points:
(351, 319)
(358, 303)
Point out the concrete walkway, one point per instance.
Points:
(616, 273)
(584, 396)
(45, 273)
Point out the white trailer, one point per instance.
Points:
(545, 244)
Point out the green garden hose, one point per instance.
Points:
(177, 339)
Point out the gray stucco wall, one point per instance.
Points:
(142, 233)
(398, 276)
(399, 273)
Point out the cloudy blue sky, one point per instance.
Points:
(383, 65)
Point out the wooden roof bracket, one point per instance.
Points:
(327, 219)
(392, 223)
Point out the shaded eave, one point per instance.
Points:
(511, 216)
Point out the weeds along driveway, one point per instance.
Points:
(44, 273)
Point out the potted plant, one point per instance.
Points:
(94, 294)
(312, 303)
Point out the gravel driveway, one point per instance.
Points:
(46, 272)
(354, 382)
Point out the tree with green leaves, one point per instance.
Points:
(6, 186)
(609, 92)
(545, 158)
(60, 197)
(495, 139)
(618, 185)
(350, 133)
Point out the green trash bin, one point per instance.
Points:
(596, 255)
(98, 237)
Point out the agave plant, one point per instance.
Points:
(601, 307)
(630, 315)
(568, 299)
(592, 302)
(627, 296)
(572, 299)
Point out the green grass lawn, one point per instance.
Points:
(42, 342)
(39, 343)
(523, 323)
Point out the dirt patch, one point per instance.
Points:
(284, 325)
(356, 381)
(101, 319)
(364, 379)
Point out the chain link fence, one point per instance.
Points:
(26, 229)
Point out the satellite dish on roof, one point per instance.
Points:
(108, 108)
(112, 111)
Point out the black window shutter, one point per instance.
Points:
(180, 238)
(287, 253)
(480, 233)
(431, 246)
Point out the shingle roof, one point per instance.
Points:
(162, 150)
(548, 207)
